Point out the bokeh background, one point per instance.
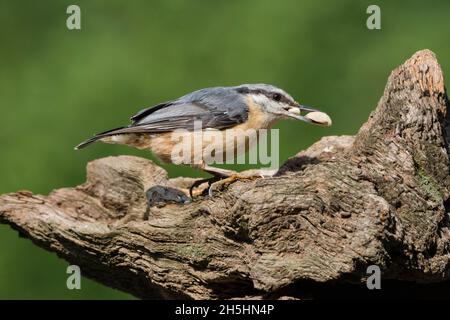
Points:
(58, 87)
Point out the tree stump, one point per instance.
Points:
(378, 198)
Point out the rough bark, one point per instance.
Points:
(379, 197)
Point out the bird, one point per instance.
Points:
(221, 110)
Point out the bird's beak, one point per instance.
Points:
(313, 116)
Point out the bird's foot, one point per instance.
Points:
(225, 182)
(199, 182)
(219, 181)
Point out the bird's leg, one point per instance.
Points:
(219, 172)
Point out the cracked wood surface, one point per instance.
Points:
(346, 202)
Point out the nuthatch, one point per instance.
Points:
(248, 106)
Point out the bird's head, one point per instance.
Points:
(280, 105)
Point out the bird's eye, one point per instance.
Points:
(276, 96)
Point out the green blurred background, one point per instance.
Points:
(58, 87)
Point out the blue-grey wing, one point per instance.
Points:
(216, 108)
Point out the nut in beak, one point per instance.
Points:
(319, 118)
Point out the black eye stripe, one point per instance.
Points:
(270, 95)
(279, 98)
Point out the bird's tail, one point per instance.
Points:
(97, 137)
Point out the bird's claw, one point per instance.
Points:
(228, 181)
(199, 182)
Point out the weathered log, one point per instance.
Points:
(334, 209)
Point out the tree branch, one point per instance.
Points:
(343, 204)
